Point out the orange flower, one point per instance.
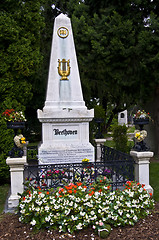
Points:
(150, 194)
(47, 192)
(100, 191)
(91, 193)
(79, 184)
(75, 191)
(39, 192)
(84, 187)
(70, 191)
(68, 187)
(39, 188)
(23, 198)
(60, 195)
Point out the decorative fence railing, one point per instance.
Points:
(116, 168)
(122, 163)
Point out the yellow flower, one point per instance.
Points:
(137, 134)
(22, 139)
(85, 160)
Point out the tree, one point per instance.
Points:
(111, 38)
(21, 23)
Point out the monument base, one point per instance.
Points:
(72, 153)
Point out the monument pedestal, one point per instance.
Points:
(65, 136)
(16, 173)
(142, 161)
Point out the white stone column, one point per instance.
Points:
(99, 142)
(16, 174)
(142, 161)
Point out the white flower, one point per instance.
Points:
(47, 208)
(92, 212)
(79, 226)
(33, 222)
(22, 211)
(82, 213)
(99, 210)
(47, 219)
(120, 212)
(37, 209)
(115, 207)
(74, 218)
(131, 194)
(135, 218)
(71, 204)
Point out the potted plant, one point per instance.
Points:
(141, 118)
(15, 119)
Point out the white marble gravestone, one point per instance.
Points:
(123, 118)
(65, 118)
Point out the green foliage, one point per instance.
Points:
(117, 48)
(120, 138)
(21, 24)
(6, 143)
(75, 207)
(154, 169)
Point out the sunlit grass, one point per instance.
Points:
(154, 179)
(3, 195)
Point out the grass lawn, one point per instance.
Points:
(154, 179)
(3, 195)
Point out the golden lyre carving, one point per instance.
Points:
(64, 69)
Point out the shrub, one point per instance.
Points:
(6, 143)
(120, 138)
(76, 207)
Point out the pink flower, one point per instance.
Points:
(101, 224)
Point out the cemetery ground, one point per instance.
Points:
(148, 228)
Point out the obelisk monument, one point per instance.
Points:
(65, 118)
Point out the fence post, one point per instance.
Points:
(142, 161)
(99, 142)
(16, 174)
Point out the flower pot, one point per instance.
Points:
(141, 122)
(15, 125)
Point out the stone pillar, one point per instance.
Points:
(99, 142)
(16, 174)
(142, 161)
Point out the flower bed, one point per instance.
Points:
(76, 206)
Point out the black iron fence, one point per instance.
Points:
(116, 166)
